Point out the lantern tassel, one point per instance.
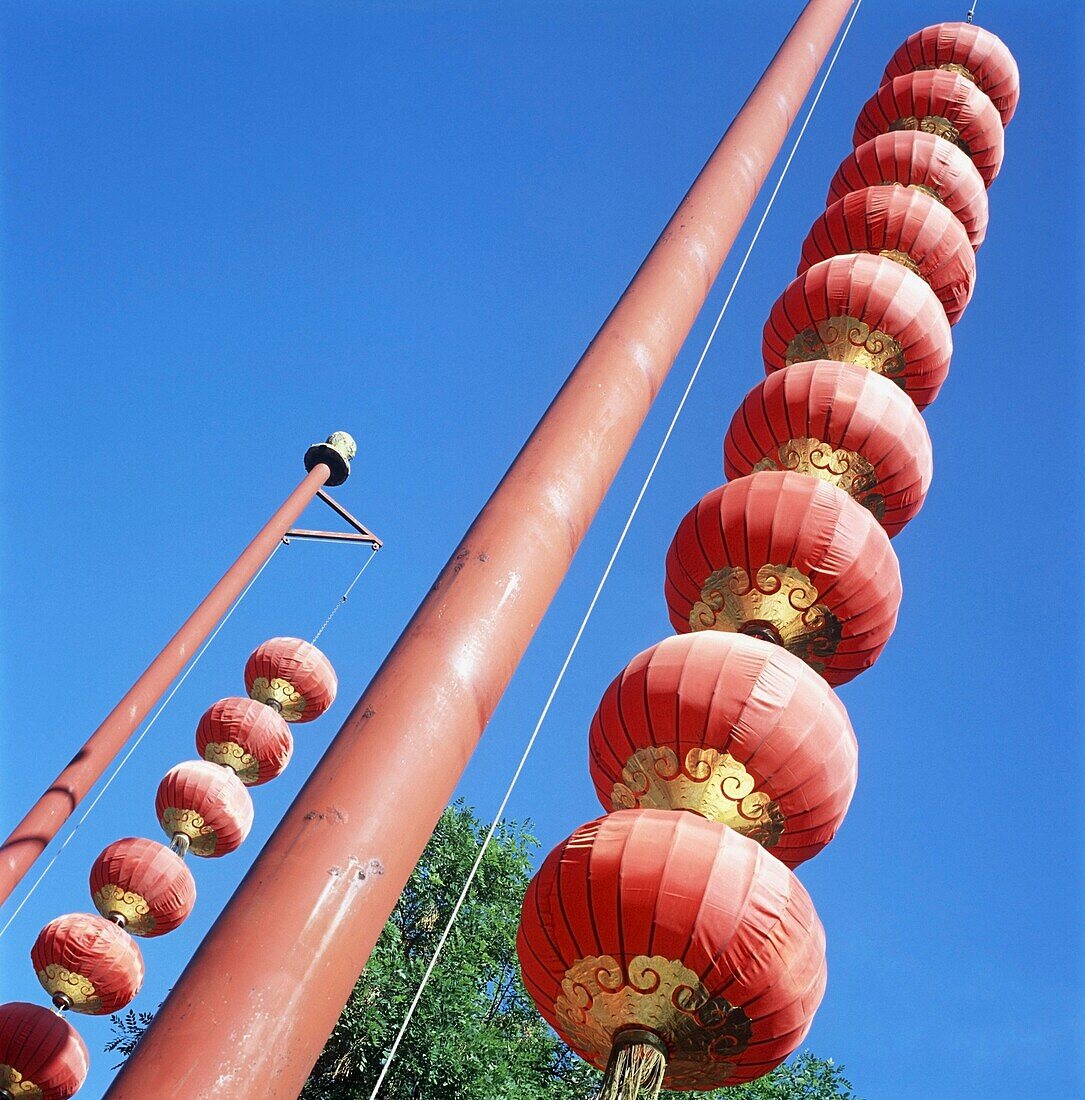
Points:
(635, 1069)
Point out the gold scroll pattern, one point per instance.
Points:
(709, 782)
(231, 755)
(847, 470)
(16, 1085)
(846, 339)
(78, 989)
(932, 124)
(704, 1035)
(781, 596)
(110, 899)
(280, 695)
(202, 838)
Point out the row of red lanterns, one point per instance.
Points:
(90, 963)
(679, 949)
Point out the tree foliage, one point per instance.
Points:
(475, 1034)
(128, 1028)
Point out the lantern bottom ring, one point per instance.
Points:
(633, 1036)
(763, 631)
(636, 1066)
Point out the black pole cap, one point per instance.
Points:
(335, 452)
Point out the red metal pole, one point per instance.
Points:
(248, 1025)
(47, 816)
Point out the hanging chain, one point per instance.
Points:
(346, 594)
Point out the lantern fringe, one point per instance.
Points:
(638, 1061)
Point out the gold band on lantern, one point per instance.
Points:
(901, 258)
(280, 695)
(845, 469)
(781, 596)
(932, 124)
(16, 1085)
(914, 186)
(77, 990)
(709, 782)
(110, 899)
(202, 839)
(231, 755)
(704, 1035)
(949, 67)
(846, 339)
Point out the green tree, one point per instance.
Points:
(475, 1034)
(806, 1078)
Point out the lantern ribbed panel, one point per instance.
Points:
(853, 411)
(300, 665)
(849, 308)
(674, 888)
(256, 730)
(146, 883)
(918, 228)
(749, 699)
(43, 1049)
(917, 160)
(986, 57)
(906, 101)
(206, 802)
(799, 523)
(90, 960)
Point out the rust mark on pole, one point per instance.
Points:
(396, 761)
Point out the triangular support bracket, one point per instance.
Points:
(361, 533)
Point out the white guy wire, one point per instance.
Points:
(603, 580)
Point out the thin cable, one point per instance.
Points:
(603, 580)
(135, 744)
(971, 11)
(346, 594)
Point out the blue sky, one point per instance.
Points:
(231, 228)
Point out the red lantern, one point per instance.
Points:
(843, 424)
(905, 225)
(924, 162)
(651, 939)
(965, 49)
(247, 737)
(42, 1057)
(939, 103)
(790, 559)
(88, 964)
(143, 886)
(865, 310)
(734, 729)
(293, 677)
(206, 804)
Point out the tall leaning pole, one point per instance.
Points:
(253, 1009)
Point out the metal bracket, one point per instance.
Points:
(361, 533)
